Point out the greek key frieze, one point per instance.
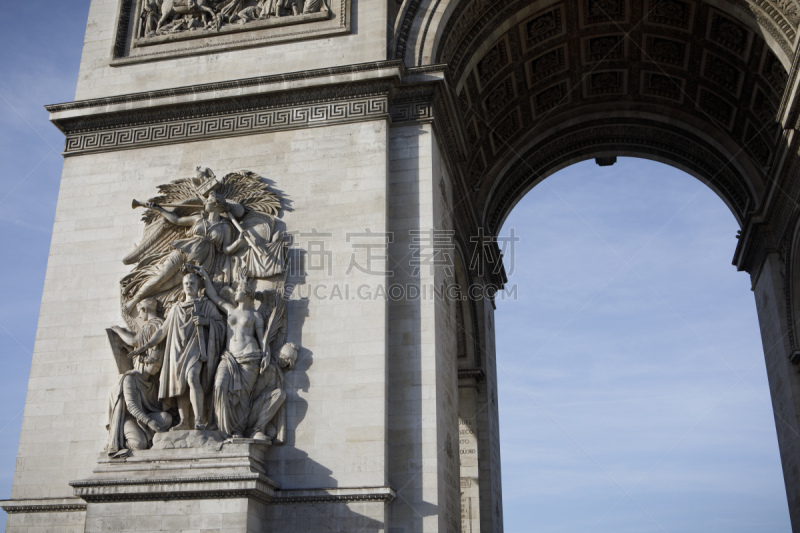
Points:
(202, 128)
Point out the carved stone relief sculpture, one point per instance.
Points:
(214, 358)
(134, 412)
(164, 17)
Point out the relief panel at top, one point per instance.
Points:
(161, 29)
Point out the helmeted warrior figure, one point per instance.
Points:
(134, 413)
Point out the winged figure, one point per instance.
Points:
(222, 225)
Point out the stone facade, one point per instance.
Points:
(404, 119)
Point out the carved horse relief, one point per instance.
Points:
(159, 17)
(170, 8)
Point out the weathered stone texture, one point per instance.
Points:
(223, 515)
(423, 427)
(336, 517)
(337, 396)
(784, 380)
(59, 522)
(366, 42)
(412, 377)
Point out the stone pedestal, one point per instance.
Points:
(196, 481)
(190, 480)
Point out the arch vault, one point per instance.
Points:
(412, 120)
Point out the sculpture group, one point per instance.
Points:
(206, 314)
(161, 17)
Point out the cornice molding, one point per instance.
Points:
(225, 124)
(44, 505)
(219, 87)
(359, 494)
(756, 241)
(476, 374)
(255, 486)
(87, 483)
(374, 91)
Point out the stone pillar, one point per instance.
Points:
(489, 428)
(784, 377)
(468, 447)
(423, 389)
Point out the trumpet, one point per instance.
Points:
(136, 203)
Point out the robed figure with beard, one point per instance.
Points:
(134, 412)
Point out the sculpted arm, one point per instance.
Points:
(228, 246)
(171, 217)
(157, 338)
(211, 292)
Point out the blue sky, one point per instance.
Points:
(41, 42)
(633, 391)
(633, 394)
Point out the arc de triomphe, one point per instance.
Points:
(302, 167)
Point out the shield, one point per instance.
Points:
(121, 352)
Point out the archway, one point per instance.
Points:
(437, 120)
(543, 84)
(700, 85)
(631, 356)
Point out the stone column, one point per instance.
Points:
(784, 377)
(423, 397)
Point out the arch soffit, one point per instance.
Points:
(647, 138)
(656, 134)
(737, 99)
(422, 24)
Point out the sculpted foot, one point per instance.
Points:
(258, 435)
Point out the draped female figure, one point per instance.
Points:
(241, 363)
(194, 336)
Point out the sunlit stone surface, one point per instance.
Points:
(395, 139)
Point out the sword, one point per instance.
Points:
(201, 334)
